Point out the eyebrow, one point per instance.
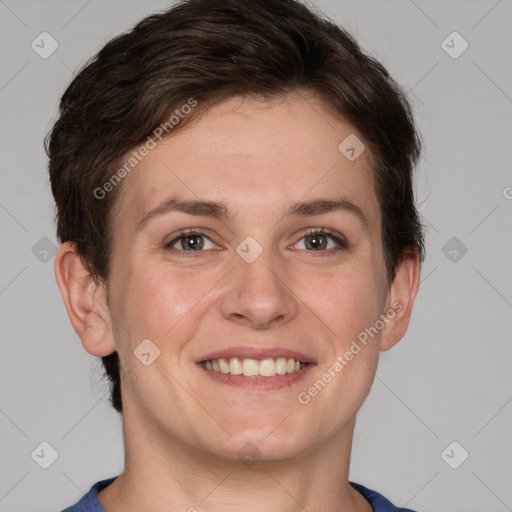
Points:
(221, 210)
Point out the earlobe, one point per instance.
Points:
(401, 297)
(85, 302)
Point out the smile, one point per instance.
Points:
(268, 367)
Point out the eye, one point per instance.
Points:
(189, 241)
(317, 239)
(314, 240)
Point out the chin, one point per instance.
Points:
(259, 443)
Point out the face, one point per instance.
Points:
(248, 235)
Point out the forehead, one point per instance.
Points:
(250, 153)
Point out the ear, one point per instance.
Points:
(85, 301)
(401, 295)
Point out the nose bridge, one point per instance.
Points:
(258, 293)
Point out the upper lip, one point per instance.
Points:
(246, 352)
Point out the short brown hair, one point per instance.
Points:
(211, 50)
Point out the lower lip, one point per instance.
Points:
(259, 383)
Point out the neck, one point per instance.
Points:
(165, 473)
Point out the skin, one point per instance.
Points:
(183, 431)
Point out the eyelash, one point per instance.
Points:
(338, 239)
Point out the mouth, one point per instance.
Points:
(268, 367)
(256, 369)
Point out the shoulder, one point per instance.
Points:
(89, 502)
(378, 502)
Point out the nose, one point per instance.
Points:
(260, 294)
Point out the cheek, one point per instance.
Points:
(158, 302)
(350, 307)
(347, 302)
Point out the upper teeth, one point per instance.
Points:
(253, 367)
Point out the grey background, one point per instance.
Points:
(448, 380)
